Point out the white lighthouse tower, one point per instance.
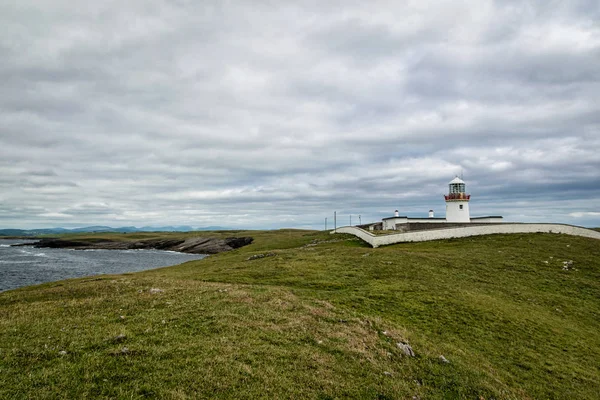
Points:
(457, 202)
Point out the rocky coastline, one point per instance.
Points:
(197, 245)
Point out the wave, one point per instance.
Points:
(15, 262)
(32, 253)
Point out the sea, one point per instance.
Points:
(24, 266)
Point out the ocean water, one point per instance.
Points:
(24, 266)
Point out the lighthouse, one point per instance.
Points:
(457, 202)
(457, 212)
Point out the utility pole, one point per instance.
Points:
(334, 221)
(325, 223)
(359, 220)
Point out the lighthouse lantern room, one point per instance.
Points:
(457, 202)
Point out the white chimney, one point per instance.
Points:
(396, 214)
(430, 213)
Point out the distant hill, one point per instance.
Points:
(124, 229)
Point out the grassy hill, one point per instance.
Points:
(320, 316)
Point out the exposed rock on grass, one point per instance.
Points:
(262, 255)
(316, 242)
(405, 347)
(119, 338)
(567, 265)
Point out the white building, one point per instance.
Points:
(457, 212)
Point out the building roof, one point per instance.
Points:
(404, 216)
(457, 180)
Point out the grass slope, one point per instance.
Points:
(319, 318)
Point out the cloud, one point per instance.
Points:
(53, 215)
(584, 214)
(249, 114)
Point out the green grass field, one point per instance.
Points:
(318, 318)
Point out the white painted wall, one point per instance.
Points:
(449, 233)
(390, 223)
(488, 219)
(455, 214)
(427, 220)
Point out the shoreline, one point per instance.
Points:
(197, 245)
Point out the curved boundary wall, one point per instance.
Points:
(449, 233)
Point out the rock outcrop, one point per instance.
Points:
(197, 245)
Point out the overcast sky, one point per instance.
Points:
(267, 114)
